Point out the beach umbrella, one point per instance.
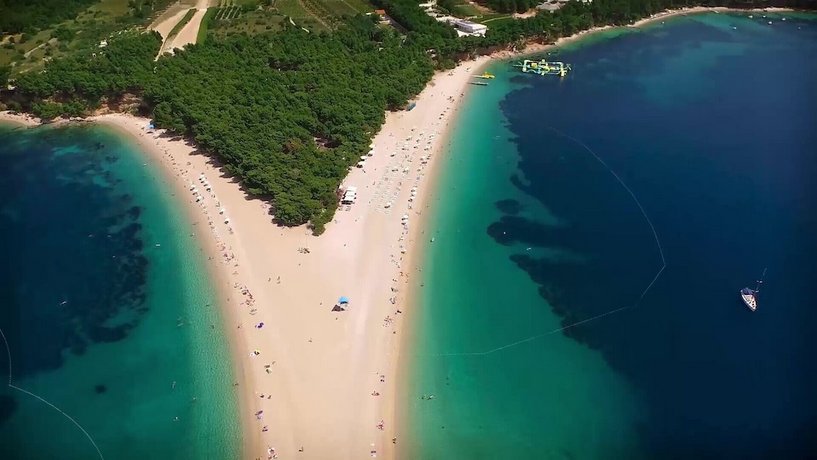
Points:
(343, 300)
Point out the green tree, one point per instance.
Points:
(5, 72)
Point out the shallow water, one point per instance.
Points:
(708, 121)
(106, 306)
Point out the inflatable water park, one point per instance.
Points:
(544, 67)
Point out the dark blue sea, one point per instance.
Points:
(683, 153)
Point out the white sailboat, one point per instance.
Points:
(749, 296)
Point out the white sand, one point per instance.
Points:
(323, 365)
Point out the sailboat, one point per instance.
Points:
(749, 296)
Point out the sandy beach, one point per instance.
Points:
(317, 383)
(311, 378)
(308, 377)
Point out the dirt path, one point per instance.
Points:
(190, 31)
(167, 20)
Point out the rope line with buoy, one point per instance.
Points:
(44, 401)
(602, 315)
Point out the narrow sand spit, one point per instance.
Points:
(309, 377)
(324, 380)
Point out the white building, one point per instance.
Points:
(470, 28)
(549, 6)
(464, 28)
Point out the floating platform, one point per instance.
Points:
(544, 67)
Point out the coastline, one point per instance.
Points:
(415, 257)
(462, 372)
(324, 366)
(536, 47)
(132, 129)
(312, 386)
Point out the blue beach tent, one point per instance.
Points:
(343, 299)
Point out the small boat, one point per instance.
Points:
(478, 83)
(486, 76)
(749, 296)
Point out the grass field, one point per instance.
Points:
(260, 16)
(339, 7)
(361, 6)
(466, 10)
(256, 16)
(90, 27)
(299, 14)
(476, 12)
(205, 24)
(241, 16)
(494, 18)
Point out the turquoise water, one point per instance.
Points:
(543, 398)
(708, 120)
(108, 308)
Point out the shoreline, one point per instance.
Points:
(209, 245)
(318, 393)
(131, 130)
(416, 257)
(313, 388)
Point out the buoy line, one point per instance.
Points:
(43, 400)
(610, 312)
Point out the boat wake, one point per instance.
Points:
(607, 313)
